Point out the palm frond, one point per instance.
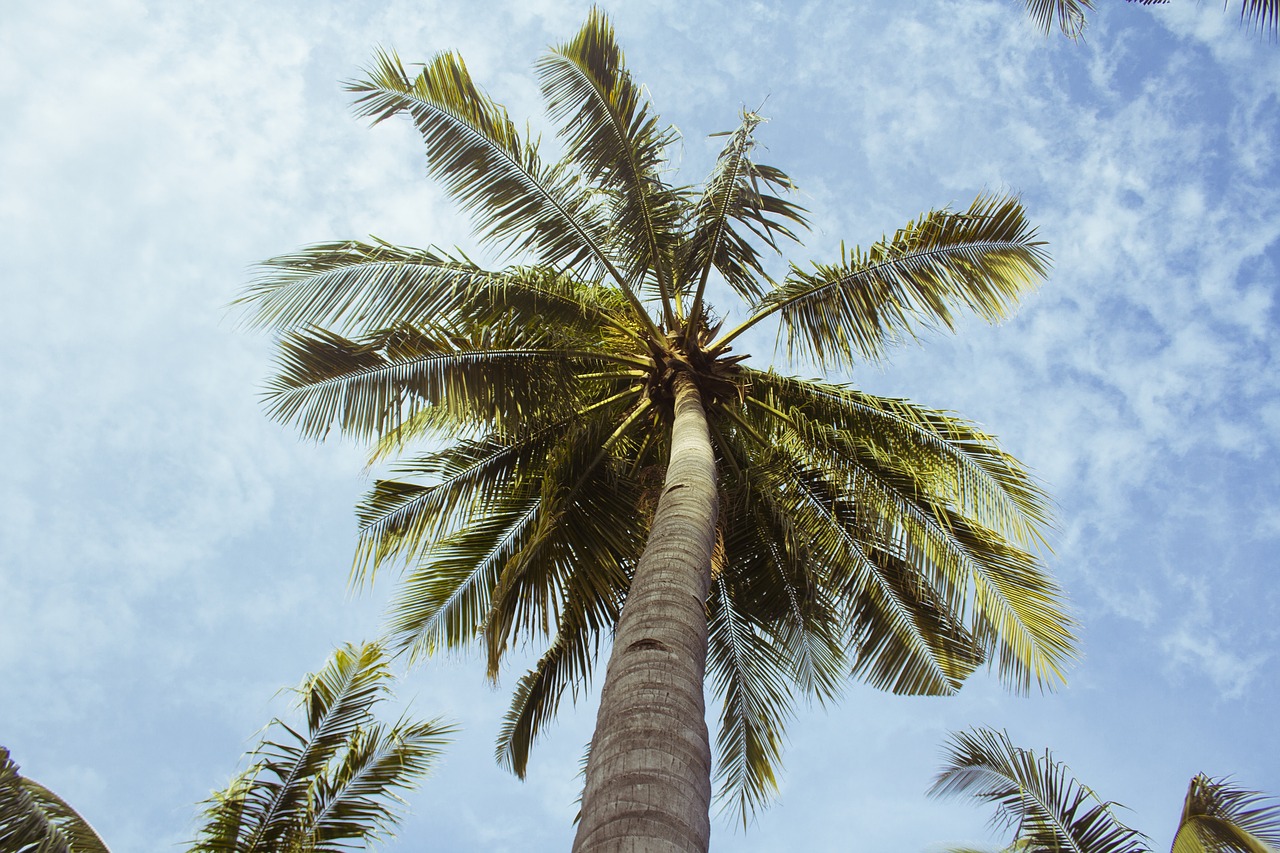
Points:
(1218, 816)
(752, 678)
(882, 487)
(363, 287)
(1069, 15)
(34, 819)
(610, 131)
(984, 260)
(567, 663)
(357, 799)
(333, 785)
(1033, 794)
(476, 153)
(359, 285)
(401, 517)
(738, 190)
(500, 376)
(952, 458)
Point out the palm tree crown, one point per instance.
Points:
(844, 533)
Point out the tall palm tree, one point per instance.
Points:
(1260, 15)
(600, 463)
(1050, 811)
(332, 787)
(34, 819)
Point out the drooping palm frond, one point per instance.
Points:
(1035, 795)
(585, 616)
(921, 514)
(1221, 817)
(613, 135)
(984, 260)
(34, 819)
(332, 787)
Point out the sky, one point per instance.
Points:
(170, 558)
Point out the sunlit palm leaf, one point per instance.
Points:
(984, 259)
(1034, 794)
(611, 132)
(33, 819)
(1221, 817)
(964, 465)
(364, 287)
(753, 682)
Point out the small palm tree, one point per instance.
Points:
(1050, 811)
(601, 465)
(33, 819)
(1262, 15)
(332, 787)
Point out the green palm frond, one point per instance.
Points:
(34, 819)
(360, 285)
(477, 154)
(903, 497)
(753, 679)
(364, 287)
(738, 190)
(984, 260)
(402, 517)
(334, 785)
(612, 134)
(1033, 794)
(500, 375)
(567, 663)
(1221, 817)
(953, 459)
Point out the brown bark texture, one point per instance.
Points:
(648, 779)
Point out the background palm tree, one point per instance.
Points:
(593, 440)
(1262, 15)
(33, 819)
(1049, 810)
(332, 787)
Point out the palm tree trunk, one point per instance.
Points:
(648, 780)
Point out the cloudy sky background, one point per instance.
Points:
(169, 558)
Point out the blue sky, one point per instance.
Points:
(169, 558)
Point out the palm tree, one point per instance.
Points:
(1049, 810)
(34, 819)
(592, 440)
(333, 787)
(1261, 15)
